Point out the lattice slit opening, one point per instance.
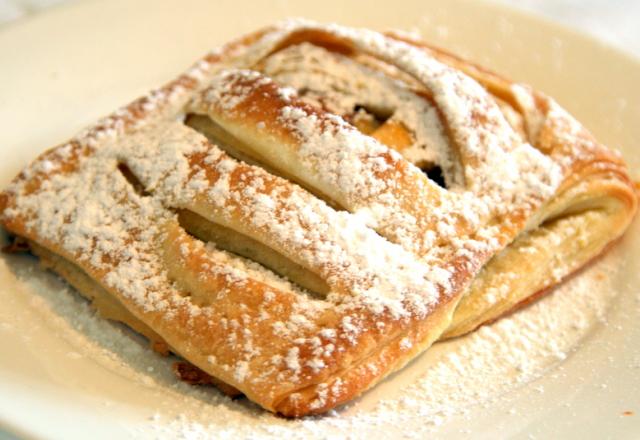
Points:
(245, 247)
(368, 119)
(435, 174)
(468, 159)
(231, 248)
(238, 248)
(203, 295)
(133, 180)
(237, 149)
(383, 98)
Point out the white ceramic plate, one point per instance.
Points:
(567, 367)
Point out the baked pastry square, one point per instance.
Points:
(311, 206)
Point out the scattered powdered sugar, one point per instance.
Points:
(103, 221)
(453, 380)
(87, 212)
(340, 246)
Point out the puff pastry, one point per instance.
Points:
(311, 206)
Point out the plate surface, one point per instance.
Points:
(566, 367)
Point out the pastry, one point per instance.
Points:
(311, 206)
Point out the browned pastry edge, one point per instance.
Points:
(531, 299)
(368, 371)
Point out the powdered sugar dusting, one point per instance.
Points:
(339, 84)
(460, 98)
(443, 386)
(402, 245)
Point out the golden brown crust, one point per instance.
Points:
(395, 251)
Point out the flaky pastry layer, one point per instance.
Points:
(311, 206)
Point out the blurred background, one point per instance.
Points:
(616, 22)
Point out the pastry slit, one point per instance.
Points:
(372, 114)
(237, 149)
(133, 180)
(232, 241)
